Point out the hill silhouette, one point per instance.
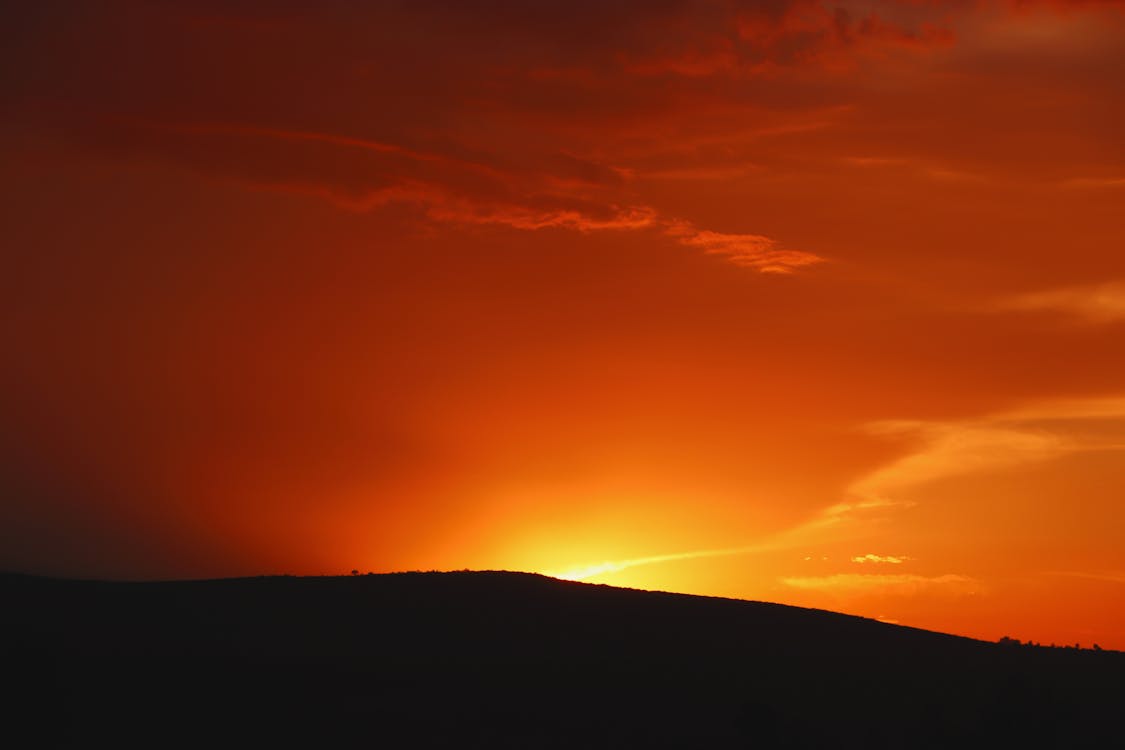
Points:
(498, 660)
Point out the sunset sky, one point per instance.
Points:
(813, 302)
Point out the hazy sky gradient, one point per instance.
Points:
(815, 302)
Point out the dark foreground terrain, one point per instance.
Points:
(498, 660)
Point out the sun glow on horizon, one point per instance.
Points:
(585, 572)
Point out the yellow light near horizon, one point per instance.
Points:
(588, 571)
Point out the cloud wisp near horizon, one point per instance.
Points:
(1033, 433)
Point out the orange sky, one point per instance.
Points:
(819, 303)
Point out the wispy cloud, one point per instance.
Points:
(530, 218)
(953, 448)
(359, 173)
(1028, 434)
(856, 507)
(1093, 303)
(1109, 576)
(591, 570)
(750, 250)
(889, 583)
(892, 559)
(802, 534)
(796, 536)
(941, 449)
(1094, 182)
(917, 166)
(1065, 409)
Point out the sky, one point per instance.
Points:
(804, 301)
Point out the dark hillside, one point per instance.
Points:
(501, 660)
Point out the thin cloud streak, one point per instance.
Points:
(748, 250)
(1013, 438)
(1107, 576)
(829, 520)
(1093, 303)
(615, 566)
(889, 583)
(892, 559)
(1095, 183)
(947, 449)
(450, 189)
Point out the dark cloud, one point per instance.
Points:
(457, 107)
